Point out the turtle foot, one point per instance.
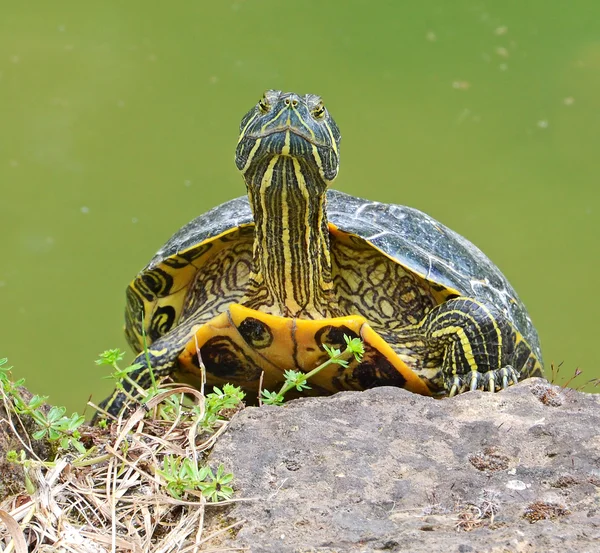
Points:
(490, 381)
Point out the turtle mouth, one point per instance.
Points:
(284, 129)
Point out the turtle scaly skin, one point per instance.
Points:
(260, 284)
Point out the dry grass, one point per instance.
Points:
(115, 501)
(544, 510)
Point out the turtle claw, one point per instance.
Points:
(488, 381)
(456, 387)
(509, 376)
(474, 380)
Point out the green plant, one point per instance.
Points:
(111, 358)
(183, 475)
(54, 425)
(298, 380)
(216, 403)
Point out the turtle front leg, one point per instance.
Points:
(161, 363)
(474, 344)
(161, 358)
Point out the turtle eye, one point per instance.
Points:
(319, 111)
(263, 105)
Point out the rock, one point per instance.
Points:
(389, 471)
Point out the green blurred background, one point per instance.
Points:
(119, 123)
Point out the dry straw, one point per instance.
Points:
(117, 500)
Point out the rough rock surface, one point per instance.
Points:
(389, 471)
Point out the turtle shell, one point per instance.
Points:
(411, 238)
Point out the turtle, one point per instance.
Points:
(266, 282)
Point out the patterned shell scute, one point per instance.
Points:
(220, 219)
(426, 246)
(414, 239)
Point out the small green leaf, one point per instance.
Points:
(271, 398)
(37, 401)
(110, 357)
(226, 492)
(204, 472)
(39, 434)
(296, 379)
(55, 413)
(118, 374)
(332, 352)
(12, 456)
(356, 346)
(78, 446)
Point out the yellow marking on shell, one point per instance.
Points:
(377, 275)
(293, 347)
(413, 382)
(182, 277)
(387, 308)
(408, 296)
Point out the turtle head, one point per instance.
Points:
(288, 154)
(284, 124)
